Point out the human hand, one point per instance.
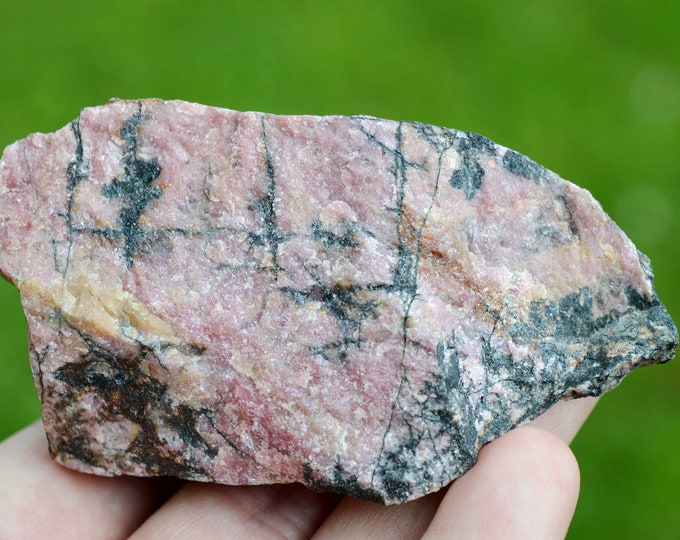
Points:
(524, 486)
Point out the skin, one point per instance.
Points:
(524, 486)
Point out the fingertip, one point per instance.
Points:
(531, 452)
(566, 417)
(525, 485)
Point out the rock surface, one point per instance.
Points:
(352, 303)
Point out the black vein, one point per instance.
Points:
(134, 186)
(77, 171)
(405, 282)
(329, 238)
(396, 152)
(266, 209)
(39, 360)
(348, 308)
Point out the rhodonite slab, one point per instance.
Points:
(352, 303)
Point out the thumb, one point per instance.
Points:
(524, 486)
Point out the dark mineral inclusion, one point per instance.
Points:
(353, 303)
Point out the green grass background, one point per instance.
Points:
(590, 89)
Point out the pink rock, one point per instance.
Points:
(352, 303)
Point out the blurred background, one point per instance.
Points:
(591, 89)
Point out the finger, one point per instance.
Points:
(209, 511)
(41, 499)
(525, 486)
(353, 518)
(565, 418)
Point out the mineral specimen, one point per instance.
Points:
(353, 303)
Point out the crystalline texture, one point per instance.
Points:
(353, 303)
